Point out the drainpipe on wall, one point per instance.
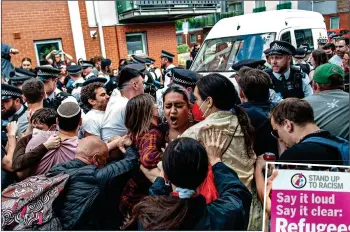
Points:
(100, 30)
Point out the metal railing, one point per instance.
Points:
(124, 6)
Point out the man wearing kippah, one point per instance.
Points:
(330, 103)
(69, 120)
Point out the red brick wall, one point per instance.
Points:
(343, 19)
(160, 36)
(111, 45)
(35, 21)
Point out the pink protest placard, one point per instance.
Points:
(310, 201)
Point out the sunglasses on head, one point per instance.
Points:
(274, 133)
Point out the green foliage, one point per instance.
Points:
(182, 49)
(203, 21)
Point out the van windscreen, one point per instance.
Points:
(219, 54)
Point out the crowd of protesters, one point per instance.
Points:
(165, 148)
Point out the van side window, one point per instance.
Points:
(286, 37)
(304, 36)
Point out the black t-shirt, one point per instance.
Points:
(312, 153)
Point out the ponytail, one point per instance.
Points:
(247, 129)
(164, 213)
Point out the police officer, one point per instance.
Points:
(87, 67)
(167, 66)
(76, 81)
(13, 108)
(49, 76)
(156, 73)
(287, 80)
(21, 75)
(299, 57)
(308, 52)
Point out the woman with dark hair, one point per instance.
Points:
(27, 64)
(174, 204)
(141, 120)
(177, 111)
(318, 57)
(217, 99)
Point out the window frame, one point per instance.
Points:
(290, 36)
(261, 2)
(234, 5)
(179, 36)
(143, 41)
(330, 22)
(46, 41)
(195, 36)
(312, 45)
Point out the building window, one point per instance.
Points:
(44, 47)
(259, 4)
(235, 7)
(179, 39)
(304, 36)
(136, 44)
(334, 22)
(286, 37)
(193, 38)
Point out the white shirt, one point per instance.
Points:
(113, 122)
(336, 60)
(76, 91)
(159, 100)
(92, 122)
(167, 75)
(305, 81)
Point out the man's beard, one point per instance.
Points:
(8, 113)
(163, 66)
(329, 56)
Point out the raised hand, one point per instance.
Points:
(214, 145)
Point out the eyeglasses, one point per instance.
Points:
(274, 133)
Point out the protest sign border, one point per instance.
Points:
(296, 164)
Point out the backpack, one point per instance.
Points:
(342, 145)
(27, 205)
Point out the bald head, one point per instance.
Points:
(90, 146)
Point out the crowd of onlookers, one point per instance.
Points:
(192, 157)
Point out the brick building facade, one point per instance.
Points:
(343, 12)
(51, 20)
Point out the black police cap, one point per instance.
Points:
(184, 77)
(47, 71)
(74, 69)
(86, 64)
(9, 91)
(167, 54)
(251, 63)
(281, 48)
(300, 53)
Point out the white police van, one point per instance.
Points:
(247, 36)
